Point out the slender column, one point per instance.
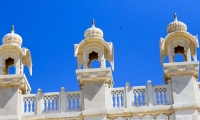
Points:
(150, 93)
(62, 104)
(85, 64)
(39, 102)
(141, 102)
(102, 62)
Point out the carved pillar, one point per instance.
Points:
(150, 93)
(62, 100)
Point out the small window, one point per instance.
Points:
(93, 60)
(9, 66)
(179, 54)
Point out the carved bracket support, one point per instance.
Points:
(181, 68)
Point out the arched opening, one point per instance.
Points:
(9, 66)
(95, 64)
(93, 60)
(179, 54)
(166, 59)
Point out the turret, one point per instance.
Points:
(94, 82)
(13, 84)
(182, 76)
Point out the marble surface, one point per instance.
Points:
(183, 89)
(94, 95)
(9, 100)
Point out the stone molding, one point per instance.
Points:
(181, 68)
(97, 74)
(19, 80)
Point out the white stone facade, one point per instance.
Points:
(177, 99)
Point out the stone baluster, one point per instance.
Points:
(133, 104)
(51, 103)
(68, 103)
(71, 100)
(115, 95)
(163, 96)
(150, 93)
(62, 100)
(47, 104)
(119, 99)
(137, 100)
(159, 95)
(31, 105)
(75, 102)
(141, 102)
(39, 102)
(54, 104)
(27, 102)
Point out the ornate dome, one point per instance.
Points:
(176, 26)
(12, 38)
(93, 32)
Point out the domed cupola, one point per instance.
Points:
(12, 38)
(93, 32)
(176, 26)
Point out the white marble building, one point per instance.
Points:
(177, 99)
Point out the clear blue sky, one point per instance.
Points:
(50, 28)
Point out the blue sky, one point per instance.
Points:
(50, 29)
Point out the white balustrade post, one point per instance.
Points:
(127, 101)
(62, 103)
(150, 93)
(39, 102)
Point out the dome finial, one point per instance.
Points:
(175, 17)
(12, 28)
(92, 22)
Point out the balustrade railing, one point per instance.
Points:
(160, 95)
(117, 97)
(73, 100)
(51, 101)
(139, 96)
(29, 103)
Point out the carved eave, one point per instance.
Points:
(95, 74)
(181, 68)
(19, 80)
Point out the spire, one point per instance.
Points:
(92, 22)
(12, 29)
(175, 17)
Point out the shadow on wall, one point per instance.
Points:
(8, 100)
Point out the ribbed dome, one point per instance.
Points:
(93, 32)
(12, 38)
(176, 26)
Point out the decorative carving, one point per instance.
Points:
(7, 82)
(93, 75)
(181, 68)
(97, 75)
